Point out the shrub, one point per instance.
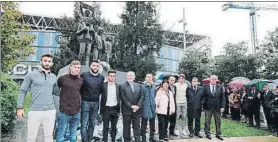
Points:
(8, 102)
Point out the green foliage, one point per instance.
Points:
(139, 38)
(195, 64)
(236, 63)
(15, 41)
(8, 102)
(232, 128)
(269, 55)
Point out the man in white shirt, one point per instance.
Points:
(110, 106)
(181, 103)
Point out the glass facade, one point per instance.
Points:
(170, 58)
(43, 43)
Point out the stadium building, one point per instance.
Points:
(48, 39)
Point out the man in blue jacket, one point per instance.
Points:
(148, 113)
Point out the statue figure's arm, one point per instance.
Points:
(81, 28)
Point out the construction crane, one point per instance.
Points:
(253, 9)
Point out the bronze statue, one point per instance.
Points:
(85, 32)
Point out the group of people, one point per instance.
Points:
(82, 95)
(248, 103)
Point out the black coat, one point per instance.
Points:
(104, 90)
(245, 103)
(174, 94)
(215, 101)
(130, 98)
(194, 100)
(255, 102)
(267, 98)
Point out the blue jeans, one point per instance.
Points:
(65, 121)
(89, 112)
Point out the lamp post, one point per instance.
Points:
(184, 29)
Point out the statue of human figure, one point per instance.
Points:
(98, 49)
(86, 34)
(108, 47)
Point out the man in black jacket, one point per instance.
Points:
(173, 88)
(267, 97)
(90, 93)
(194, 95)
(110, 106)
(132, 99)
(254, 108)
(214, 104)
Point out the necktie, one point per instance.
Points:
(213, 90)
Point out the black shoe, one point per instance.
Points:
(173, 134)
(208, 137)
(198, 135)
(191, 135)
(250, 125)
(166, 139)
(220, 138)
(153, 139)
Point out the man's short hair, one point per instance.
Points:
(75, 62)
(111, 71)
(182, 75)
(149, 73)
(171, 77)
(195, 78)
(95, 61)
(47, 55)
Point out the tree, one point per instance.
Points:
(140, 38)
(236, 63)
(195, 64)
(269, 53)
(15, 40)
(15, 45)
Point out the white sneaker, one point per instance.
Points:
(184, 132)
(176, 132)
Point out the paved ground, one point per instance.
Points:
(234, 139)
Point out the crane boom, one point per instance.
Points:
(253, 8)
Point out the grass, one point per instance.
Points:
(230, 128)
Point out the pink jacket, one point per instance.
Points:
(161, 101)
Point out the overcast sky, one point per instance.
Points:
(203, 18)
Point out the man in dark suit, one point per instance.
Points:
(173, 88)
(267, 97)
(214, 104)
(110, 106)
(194, 95)
(254, 109)
(132, 99)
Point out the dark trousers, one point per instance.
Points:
(110, 114)
(144, 127)
(268, 117)
(235, 113)
(217, 119)
(254, 112)
(135, 120)
(172, 123)
(163, 123)
(89, 112)
(275, 122)
(197, 122)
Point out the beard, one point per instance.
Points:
(46, 67)
(94, 71)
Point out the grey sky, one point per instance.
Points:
(203, 18)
